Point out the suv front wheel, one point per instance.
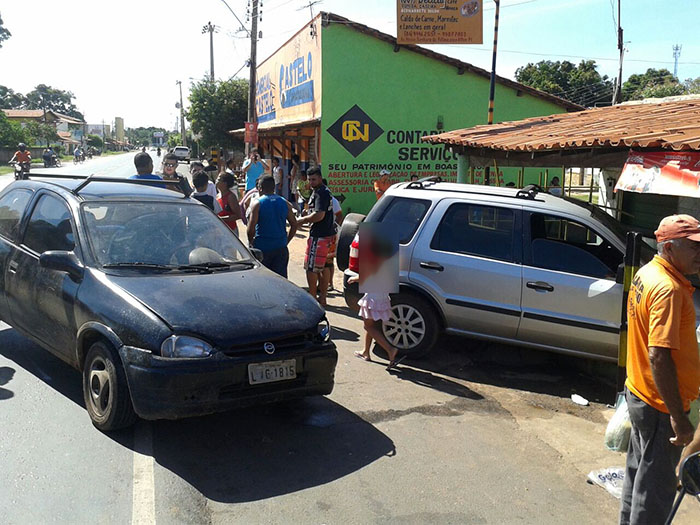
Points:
(413, 327)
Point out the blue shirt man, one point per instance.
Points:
(267, 228)
(144, 169)
(253, 167)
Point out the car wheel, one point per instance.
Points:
(105, 391)
(350, 226)
(414, 326)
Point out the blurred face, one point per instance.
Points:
(315, 180)
(169, 168)
(221, 185)
(195, 169)
(684, 254)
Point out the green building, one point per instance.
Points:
(350, 99)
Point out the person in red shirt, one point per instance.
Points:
(22, 154)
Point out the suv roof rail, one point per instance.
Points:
(529, 192)
(419, 184)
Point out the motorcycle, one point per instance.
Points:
(21, 170)
(690, 482)
(52, 161)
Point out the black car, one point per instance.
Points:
(146, 291)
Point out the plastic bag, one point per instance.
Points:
(611, 479)
(617, 435)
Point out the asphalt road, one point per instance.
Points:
(476, 434)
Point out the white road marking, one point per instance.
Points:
(144, 501)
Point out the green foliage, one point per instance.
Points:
(46, 97)
(581, 84)
(11, 100)
(95, 141)
(4, 33)
(692, 86)
(174, 140)
(39, 133)
(645, 85)
(11, 133)
(216, 108)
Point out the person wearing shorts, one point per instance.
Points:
(321, 236)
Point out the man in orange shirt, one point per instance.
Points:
(22, 155)
(663, 370)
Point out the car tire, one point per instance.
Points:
(414, 327)
(348, 230)
(105, 390)
(351, 294)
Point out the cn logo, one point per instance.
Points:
(352, 131)
(355, 130)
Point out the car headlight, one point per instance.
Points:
(323, 330)
(185, 346)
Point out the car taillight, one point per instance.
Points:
(354, 262)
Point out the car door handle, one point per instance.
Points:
(13, 266)
(540, 286)
(432, 266)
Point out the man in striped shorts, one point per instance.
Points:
(321, 236)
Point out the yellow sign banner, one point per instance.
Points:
(288, 87)
(439, 21)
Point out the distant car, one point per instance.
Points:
(166, 313)
(182, 153)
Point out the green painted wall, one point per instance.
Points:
(405, 94)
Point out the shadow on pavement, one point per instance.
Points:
(262, 452)
(42, 364)
(520, 368)
(438, 383)
(343, 334)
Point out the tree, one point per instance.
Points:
(11, 100)
(4, 32)
(39, 133)
(52, 99)
(95, 141)
(142, 136)
(217, 107)
(174, 140)
(639, 86)
(581, 84)
(11, 133)
(692, 86)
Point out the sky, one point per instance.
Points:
(123, 58)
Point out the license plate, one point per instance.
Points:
(259, 373)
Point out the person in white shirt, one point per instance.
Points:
(277, 174)
(200, 180)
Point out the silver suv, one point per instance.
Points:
(509, 265)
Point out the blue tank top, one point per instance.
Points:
(271, 231)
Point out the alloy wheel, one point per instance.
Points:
(406, 328)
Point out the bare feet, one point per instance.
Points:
(363, 356)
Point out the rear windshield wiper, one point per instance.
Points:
(140, 266)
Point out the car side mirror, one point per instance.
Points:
(690, 474)
(63, 261)
(258, 254)
(620, 275)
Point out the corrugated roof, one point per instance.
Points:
(329, 18)
(39, 113)
(666, 124)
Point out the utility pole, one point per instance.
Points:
(253, 64)
(617, 93)
(492, 87)
(676, 55)
(209, 28)
(182, 116)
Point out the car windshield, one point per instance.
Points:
(153, 235)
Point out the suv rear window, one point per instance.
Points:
(403, 214)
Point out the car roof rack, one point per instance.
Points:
(420, 184)
(182, 183)
(528, 192)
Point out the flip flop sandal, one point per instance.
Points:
(364, 358)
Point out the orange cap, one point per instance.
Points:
(678, 227)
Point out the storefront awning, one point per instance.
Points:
(663, 173)
(278, 130)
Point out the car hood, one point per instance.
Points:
(225, 308)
